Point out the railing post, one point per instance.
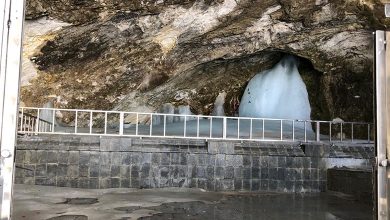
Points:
(304, 128)
(53, 120)
(37, 122)
(121, 118)
(151, 125)
(293, 130)
(185, 126)
(76, 122)
(263, 127)
(351, 132)
(341, 131)
(105, 122)
(251, 130)
(238, 128)
(197, 127)
(330, 131)
(136, 124)
(90, 122)
(165, 124)
(224, 128)
(281, 129)
(211, 127)
(21, 120)
(317, 131)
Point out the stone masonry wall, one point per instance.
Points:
(109, 162)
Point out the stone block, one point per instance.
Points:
(164, 171)
(246, 184)
(273, 185)
(192, 159)
(93, 183)
(281, 174)
(282, 162)
(273, 173)
(234, 160)
(135, 171)
(202, 184)
(94, 171)
(84, 158)
(105, 171)
(290, 186)
(203, 159)
(83, 170)
(264, 173)
(104, 183)
(238, 172)
(255, 185)
(219, 172)
(83, 183)
(220, 160)
(31, 157)
(255, 173)
(20, 155)
(94, 158)
(175, 158)
(115, 183)
(156, 157)
(41, 156)
(255, 161)
(51, 170)
(183, 158)
(264, 161)
(229, 172)
(264, 185)
(125, 158)
(115, 171)
(105, 158)
(200, 172)
(116, 158)
(238, 184)
(145, 170)
(247, 160)
(125, 171)
(40, 170)
(165, 159)
(135, 183)
(74, 157)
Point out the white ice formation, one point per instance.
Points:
(277, 93)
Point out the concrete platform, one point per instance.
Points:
(47, 202)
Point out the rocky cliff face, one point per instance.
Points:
(138, 55)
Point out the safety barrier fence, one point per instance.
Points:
(35, 121)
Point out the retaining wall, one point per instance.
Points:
(112, 162)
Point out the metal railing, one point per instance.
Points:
(30, 124)
(140, 124)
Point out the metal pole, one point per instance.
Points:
(11, 26)
(197, 127)
(37, 123)
(317, 131)
(330, 131)
(341, 131)
(293, 130)
(75, 122)
(224, 128)
(105, 122)
(90, 122)
(251, 129)
(304, 127)
(281, 129)
(238, 128)
(351, 132)
(185, 126)
(151, 125)
(121, 118)
(381, 123)
(165, 124)
(263, 129)
(211, 127)
(136, 125)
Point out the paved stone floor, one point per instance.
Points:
(43, 202)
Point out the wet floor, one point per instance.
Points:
(41, 202)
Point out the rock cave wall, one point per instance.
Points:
(138, 55)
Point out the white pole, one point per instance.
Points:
(11, 26)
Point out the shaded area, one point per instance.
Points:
(262, 206)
